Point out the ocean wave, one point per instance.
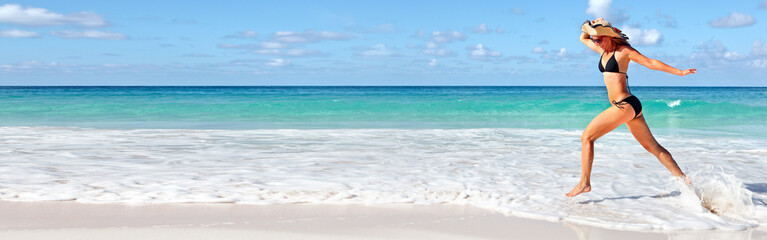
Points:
(672, 103)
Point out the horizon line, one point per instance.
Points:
(364, 86)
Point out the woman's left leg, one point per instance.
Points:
(602, 124)
(640, 130)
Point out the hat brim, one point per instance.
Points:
(601, 30)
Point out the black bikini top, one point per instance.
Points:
(610, 66)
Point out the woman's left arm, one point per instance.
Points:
(653, 64)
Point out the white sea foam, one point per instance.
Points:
(521, 172)
(671, 103)
(722, 193)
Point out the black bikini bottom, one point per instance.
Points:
(630, 100)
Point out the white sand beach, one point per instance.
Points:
(72, 220)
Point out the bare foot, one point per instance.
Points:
(687, 180)
(581, 188)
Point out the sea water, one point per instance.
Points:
(515, 150)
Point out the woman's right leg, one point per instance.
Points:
(641, 132)
(602, 124)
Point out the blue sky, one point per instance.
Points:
(372, 42)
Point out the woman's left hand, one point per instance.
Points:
(688, 71)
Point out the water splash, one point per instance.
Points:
(720, 193)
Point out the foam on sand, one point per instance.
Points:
(521, 172)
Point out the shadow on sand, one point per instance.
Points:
(757, 188)
(671, 194)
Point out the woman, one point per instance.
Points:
(601, 37)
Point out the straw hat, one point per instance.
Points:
(603, 28)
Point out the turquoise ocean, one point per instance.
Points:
(514, 150)
(715, 109)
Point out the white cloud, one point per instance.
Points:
(90, 34)
(555, 54)
(757, 49)
(599, 8)
(447, 36)
(18, 15)
(15, 33)
(438, 52)
(538, 50)
(278, 62)
(238, 46)
(479, 52)
(735, 19)
(665, 19)
(482, 29)
(272, 48)
(418, 34)
(249, 34)
(276, 52)
(517, 11)
(261, 45)
(36, 66)
(437, 38)
(383, 28)
(197, 55)
(434, 49)
(294, 37)
(184, 21)
(110, 68)
(522, 59)
(763, 5)
(714, 55)
(709, 51)
(433, 62)
(735, 56)
(308, 36)
(273, 45)
(287, 52)
(758, 63)
(642, 36)
(378, 50)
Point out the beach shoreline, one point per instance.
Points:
(73, 220)
(374, 162)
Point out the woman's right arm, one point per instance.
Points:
(586, 40)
